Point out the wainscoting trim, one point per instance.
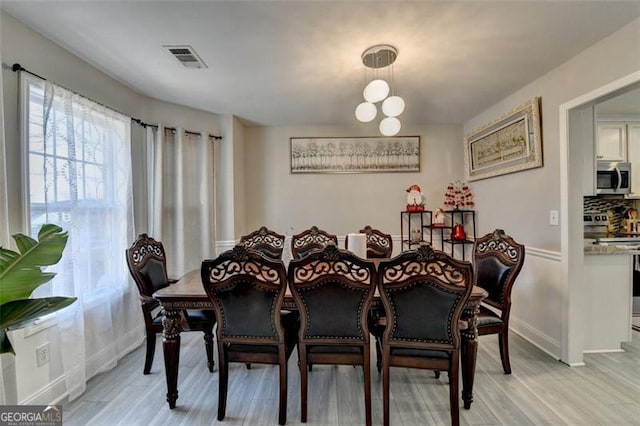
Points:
(53, 393)
(545, 254)
(224, 245)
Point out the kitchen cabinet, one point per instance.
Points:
(611, 141)
(633, 150)
(608, 296)
(619, 141)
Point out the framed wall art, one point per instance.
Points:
(510, 143)
(355, 155)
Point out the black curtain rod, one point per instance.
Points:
(173, 129)
(17, 67)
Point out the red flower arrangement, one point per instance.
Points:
(458, 196)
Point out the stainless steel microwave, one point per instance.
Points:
(613, 178)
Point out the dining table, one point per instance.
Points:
(188, 293)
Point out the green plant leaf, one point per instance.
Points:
(20, 273)
(5, 343)
(20, 312)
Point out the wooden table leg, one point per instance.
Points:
(469, 350)
(171, 350)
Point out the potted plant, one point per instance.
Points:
(21, 273)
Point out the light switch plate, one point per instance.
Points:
(554, 217)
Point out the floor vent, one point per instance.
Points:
(187, 56)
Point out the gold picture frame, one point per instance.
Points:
(508, 144)
(354, 154)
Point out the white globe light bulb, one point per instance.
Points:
(390, 126)
(376, 91)
(366, 112)
(393, 106)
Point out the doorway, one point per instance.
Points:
(571, 177)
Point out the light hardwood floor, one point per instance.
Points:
(541, 390)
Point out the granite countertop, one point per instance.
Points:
(597, 249)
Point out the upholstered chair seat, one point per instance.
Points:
(247, 290)
(147, 264)
(423, 292)
(497, 259)
(333, 290)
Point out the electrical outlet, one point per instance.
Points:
(42, 354)
(554, 217)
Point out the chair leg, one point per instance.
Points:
(223, 381)
(282, 412)
(208, 345)
(378, 354)
(367, 386)
(385, 390)
(453, 390)
(303, 384)
(503, 341)
(151, 349)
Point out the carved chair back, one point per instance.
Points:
(311, 239)
(147, 265)
(423, 292)
(379, 244)
(333, 290)
(268, 242)
(247, 290)
(498, 260)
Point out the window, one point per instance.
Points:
(78, 171)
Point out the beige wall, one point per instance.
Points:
(341, 203)
(544, 301)
(23, 382)
(520, 202)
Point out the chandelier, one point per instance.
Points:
(378, 90)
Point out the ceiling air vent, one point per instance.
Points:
(187, 56)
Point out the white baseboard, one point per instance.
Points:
(602, 351)
(54, 392)
(545, 343)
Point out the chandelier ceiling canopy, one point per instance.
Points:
(378, 89)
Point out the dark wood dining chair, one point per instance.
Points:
(247, 290)
(379, 244)
(148, 267)
(333, 290)
(423, 292)
(498, 259)
(309, 240)
(266, 241)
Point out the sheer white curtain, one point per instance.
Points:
(4, 218)
(181, 185)
(80, 179)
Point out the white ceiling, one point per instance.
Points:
(298, 62)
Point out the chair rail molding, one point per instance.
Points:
(224, 245)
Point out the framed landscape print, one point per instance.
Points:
(510, 143)
(355, 155)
